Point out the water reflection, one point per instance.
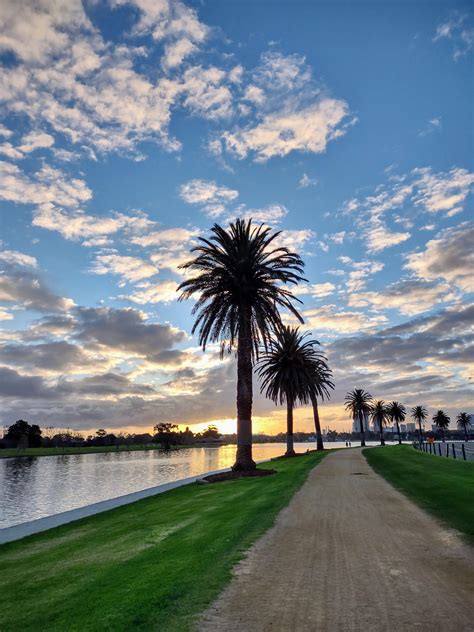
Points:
(34, 487)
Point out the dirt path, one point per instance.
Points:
(350, 553)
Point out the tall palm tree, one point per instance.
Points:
(397, 414)
(463, 421)
(241, 281)
(441, 421)
(321, 384)
(358, 403)
(294, 370)
(419, 414)
(379, 414)
(285, 376)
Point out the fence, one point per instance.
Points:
(463, 451)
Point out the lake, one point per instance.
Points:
(35, 487)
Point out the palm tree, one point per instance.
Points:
(241, 280)
(358, 404)
(441, 421)
(321, 384)
(379, 414)
(293, 370)
(285, 376)
(397, 414)
(463, 421)
(419, 414)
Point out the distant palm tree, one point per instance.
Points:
(358, 403)
(379, 414)
(286, 378)
(240, 282)
(321, 385)
(397, 414)
(463, 421)
(441, 421)
(419, 414)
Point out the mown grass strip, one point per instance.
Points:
(444, 487)
(151, 565)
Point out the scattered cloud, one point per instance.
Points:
(450, 256)
(306, 181)
(128, 268)
(456, 30)
(213, 198)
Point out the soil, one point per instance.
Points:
(350, 554)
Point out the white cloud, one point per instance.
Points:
(154, 293)
(380, 237)
(295, 240)
(271, 214)
(443, 192)
(433, 125)
(5, 314)
(307, 129)
(176, 52)
(15, 258)
(35, 140)
(449, 257)
(332, 318)
(455, 30)
(409, 297)
(212, 197)
(317, 290)
(306, 181)
(127, 268)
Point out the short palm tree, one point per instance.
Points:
(419, 414)
(241, 280)
(379, 414)
(285, 376)
(321, 385)
(441, 421)
(397, 414)
(463, 421)
(358, 403)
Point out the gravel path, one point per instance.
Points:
(350, 553)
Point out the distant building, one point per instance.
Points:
(411, 427)
(434, 428)
(403, 427)
(356, 423)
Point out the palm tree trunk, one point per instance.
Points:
(290, 451)
(398, 432)
(362, 429)
(317, 425)
(466, 438)
(421, 432)
(243, 460)
(382, 440)
(442, 434)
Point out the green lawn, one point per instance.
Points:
(9, 452)
(444, 487)
(151, 565)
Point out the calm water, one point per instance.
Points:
(35, 487)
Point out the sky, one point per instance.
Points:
(128, 127)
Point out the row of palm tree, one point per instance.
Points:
(361, 405)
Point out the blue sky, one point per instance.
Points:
(130, 126)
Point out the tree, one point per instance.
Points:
(379, 414)
(441, 421)
(419, 414)
(165, 434)
(358, 403)
(241, 280)
(24, 435)
(211, 432)
(463, 421)
(286, 376)
(320, 387)
(397, 414)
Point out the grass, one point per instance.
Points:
(9, 452)
(151, 565)
(444, 487)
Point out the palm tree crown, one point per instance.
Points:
(379, 414)
(239, 282)
(419, 413)
(441, 421)
(284, 369)
(463, 421)
(397, 413)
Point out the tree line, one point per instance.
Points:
(362, 406)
